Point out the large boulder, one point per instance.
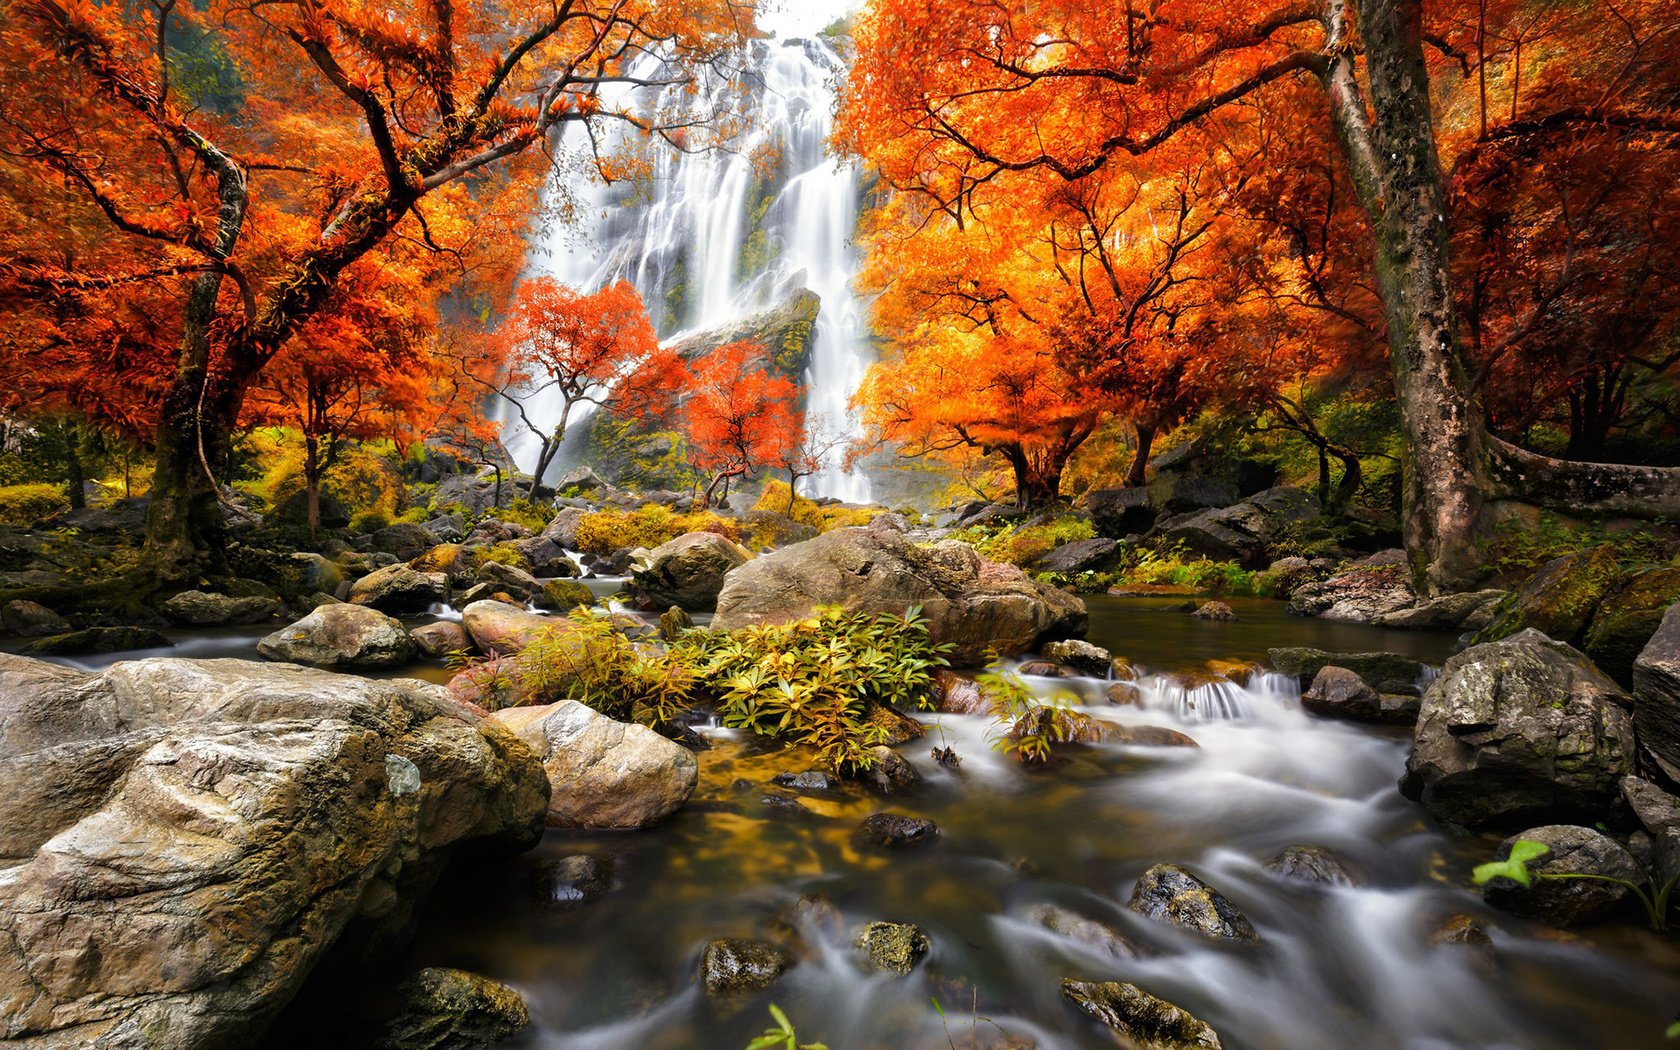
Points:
(497, 627)
(971, 603)
(341, 637)
(1337, 692)
(188, 839)
(1118, 513)
(1627, 617)
(1517, 731)
(1571, 850)
(562, 529)
(1362, 594)
(687, 571)
(405, 539)
(1080, 556)
(605, 774)
(1243, 532)
(1656, 682)
(1464, 611)
(31, 619)
(210, 609)
(1559, 599)
(400, 589)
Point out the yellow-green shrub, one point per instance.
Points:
(605, 531)
(27, 504)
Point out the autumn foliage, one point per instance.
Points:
(740, 417)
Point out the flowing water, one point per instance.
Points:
(1336, 968)
(713, 237)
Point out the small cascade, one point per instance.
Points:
(711, 238)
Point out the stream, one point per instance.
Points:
(1336, 968)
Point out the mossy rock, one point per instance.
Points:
(94, 641)
(1627, 618)
(893, 947)
(1138, 1018)
(564, 596)
(1558, 600)
(454, 1010)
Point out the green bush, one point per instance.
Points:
(1175, 567)
(27, 504)
(1024, 544)
(526, 512)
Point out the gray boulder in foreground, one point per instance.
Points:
(185, 840)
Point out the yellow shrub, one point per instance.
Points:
(605, 531)
(27, 504)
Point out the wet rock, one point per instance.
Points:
(404, 539)
(894, 726)
(92, 641)
(1217, 611)
(892, 773)
(1656, 682)
(208, 609)
(1082, 656)
(813, 781)
(446, 528)
(1566, 902)
(604, 773)
(893, 947)
(497, 627)
(1313, 864)
(1384, 672)
(1141, 1020)
(580, 877)
(812, 919)
(341, 637)
(688, 571)
(1043, 669)
(1151, 736)
(1461, 929)
(1087, 933)
(1518, 730)
(1079, 556)
(1466, 611)
(438, 640)
(31, 619)
(781, 800)
(969, 602)
(1169, 893)
(892, 830)
(1558, 600)
(562, 596)
(957, 694)
(1626, 619)
(214, 827)
(488, 592)
(1337, 692)
(454, 1010)
(1359, 595)
(399, 589)
(1244, 531)
(1400, 709)
(510, 579)
(1658, 812)
(673, 622)
(546, 558)
(1125, 694)
(730, 966)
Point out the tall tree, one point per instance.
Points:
(947, 95)
(741, 417)
(317, 133)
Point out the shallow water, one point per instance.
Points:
(1336, 969)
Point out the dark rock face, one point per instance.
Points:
(1245, 531)
(1656, 683)
(893, 947)
(1558, 600)
(1384, 672)
(1337, 692)
(1118, 513)
(569, 880)
(405, 539)
(730, 966)
(892, 773)
(455, 1010)
(214, 828)
(1627, 618)
(1469, 611)
(1518, 730)
(1311, 864)
(968, 601)
(1461, 929)
(1566, 902)
(687, 572)
(958, 694)
(1169, 893)
(208, 609)
(1080, 556)
(1087, 933)
(31, 619)
(1138, 1018)
(1082, 656)
(95, 640)
(890, 830)
(812, 780)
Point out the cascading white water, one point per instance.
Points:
(681, 243)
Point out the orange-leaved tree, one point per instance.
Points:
(740, 417)
(948, 96)
(566, 348)
(217, 168)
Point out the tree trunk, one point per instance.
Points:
(1140, 460)
(312, 482)
(1396, 171)
(74, 478)
(184, 527)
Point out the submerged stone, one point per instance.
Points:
(1313, 864)
(1169, 893)
(1087, 933)
(895, 829)
(730, 966)
(447, 1009)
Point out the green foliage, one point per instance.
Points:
(781, 1036)
(501, 553)
(589, 661)
(814, 681)
(1022, 545)
(369, 521)
(776, 498)
(526, 512)
(1521, 547)
(1652, 896)
(1176, 567)
(1014, 704)
(605, 531)
(27, 504)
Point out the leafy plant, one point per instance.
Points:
(1653, 897)
(781, 1035)
(1014, 704)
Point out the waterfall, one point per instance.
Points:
(713, 237)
